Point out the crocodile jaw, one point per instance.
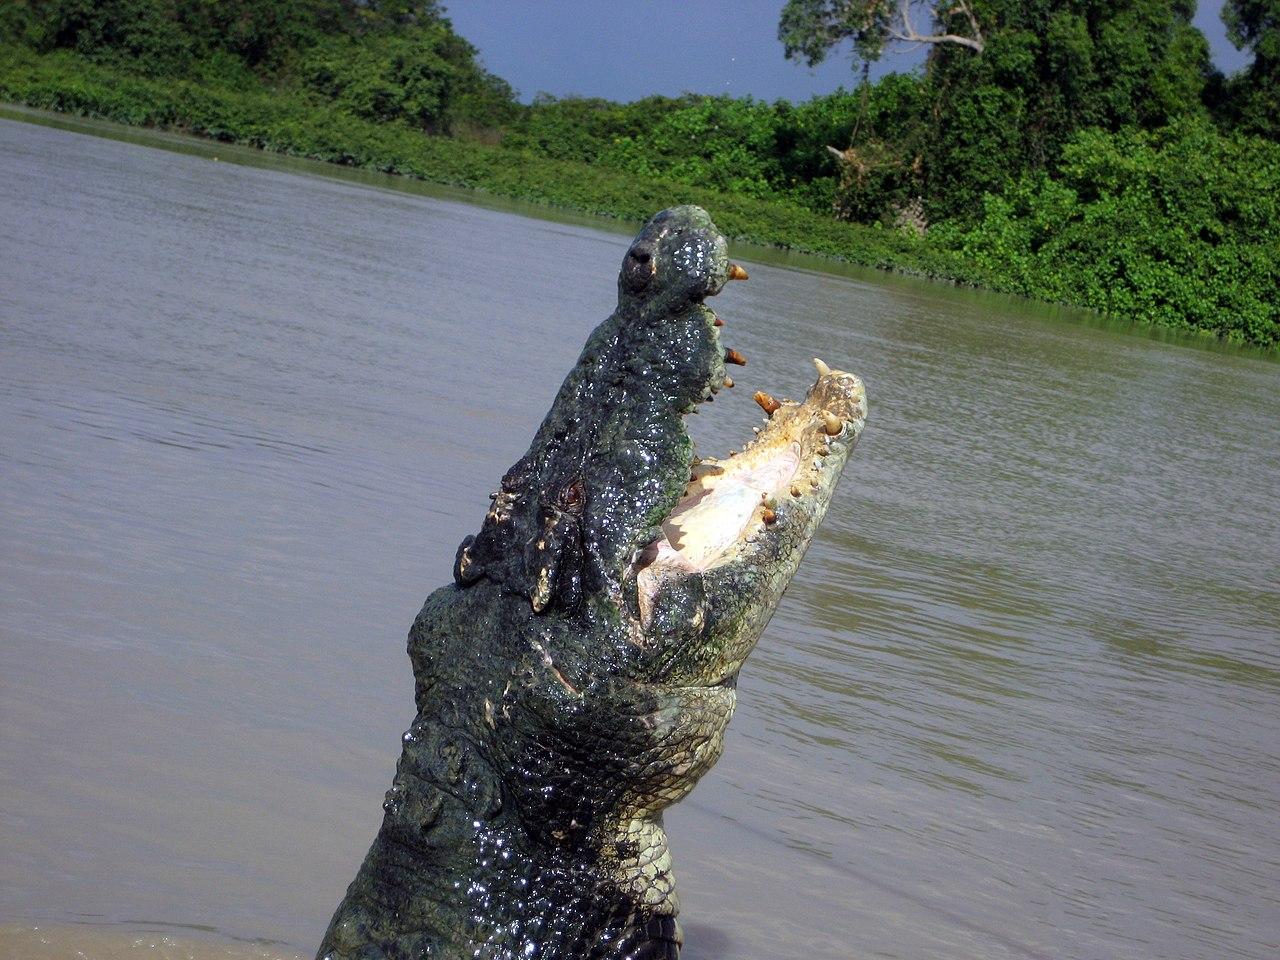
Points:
(733, 541)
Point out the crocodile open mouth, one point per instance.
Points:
(731, 502)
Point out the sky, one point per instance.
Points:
(624, 51)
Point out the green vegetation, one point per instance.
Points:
(1176, 227)
(1081, 153)
(298, 126)
(1018, 79)
(1252, 99)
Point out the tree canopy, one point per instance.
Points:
(1035, 73)
(395, 60)
(809, 29)
(1253, 100)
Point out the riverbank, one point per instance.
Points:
(289, 122)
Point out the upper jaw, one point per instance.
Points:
(678, 258)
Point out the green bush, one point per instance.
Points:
(426, 76)
(881, 123)
(143, 34)
(716, 142)
(400, 62)
(384, 78)
(1175, 227)
(20, 25)
(583, 128)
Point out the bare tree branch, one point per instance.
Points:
(907, 33)
(973, 22)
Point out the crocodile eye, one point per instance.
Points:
(572, 498)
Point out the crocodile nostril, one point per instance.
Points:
(639, 267)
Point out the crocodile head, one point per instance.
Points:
(609, 520)
(609, 513)
(578, 676)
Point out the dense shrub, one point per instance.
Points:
(1033, 73)
(762, 149)
(1251, 100)
(1048, 70)
(20, 24)
(717, 142)
(1176, 227)
(392, 61)
(582, 128)
(143, 34)
(880, 127)
(418, 77)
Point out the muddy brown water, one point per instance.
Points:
(1022, 700)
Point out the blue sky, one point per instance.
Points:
(624, 51)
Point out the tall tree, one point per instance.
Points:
(809, 29)
(1037, 71)
(1254, 96)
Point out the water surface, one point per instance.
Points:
(1022, 700)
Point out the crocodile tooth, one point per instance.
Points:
(832, 424)
(733, 356)
(728, 381)
(823, 369)
(718, 322)
(767, 403)
(736, 272)
(768, 516)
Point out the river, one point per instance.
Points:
(1021, 701)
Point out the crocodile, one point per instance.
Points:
(578, 675)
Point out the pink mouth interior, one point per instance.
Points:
(715, 511)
